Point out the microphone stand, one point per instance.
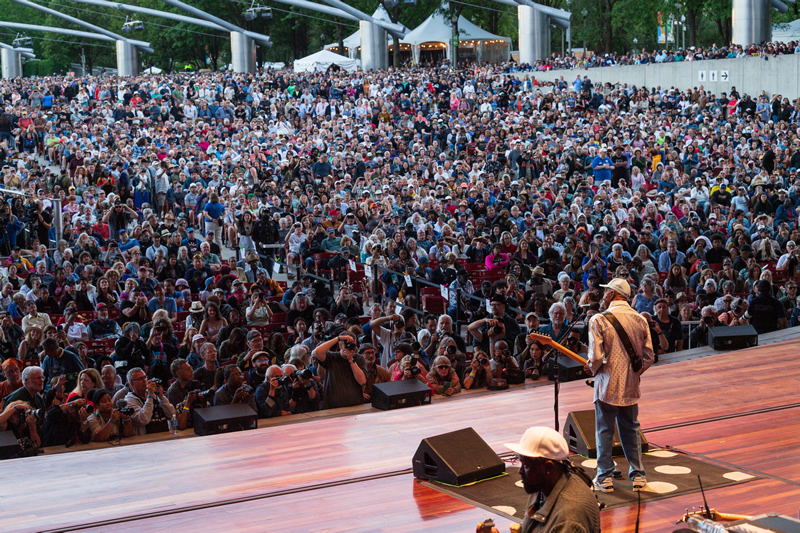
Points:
(554, 353)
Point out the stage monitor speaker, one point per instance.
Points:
(224, 419)
(568, 370)
(580, 435)
(9, 447)
(456, 458)
(732, 337)
(397, 394)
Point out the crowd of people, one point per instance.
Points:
(664, 55)
(146, 220)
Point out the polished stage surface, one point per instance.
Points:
(352, 473)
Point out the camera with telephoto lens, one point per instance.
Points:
(37, 413)
(413, 368)
(497, 330)
(202, 395)
(302, 374)
(349, 345)
(122, 407)
(451, 349)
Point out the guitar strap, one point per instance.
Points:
(636, 360)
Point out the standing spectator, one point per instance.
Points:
(344, 372)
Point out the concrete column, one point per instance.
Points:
(534, 34)
(751, 21)
(127, 59)
(243, 53)
(12, 63)
(374, 46)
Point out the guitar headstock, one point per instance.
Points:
(542, 338)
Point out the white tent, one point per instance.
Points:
(784, 33)
(353, 41)
(436, 33)
(320, 61)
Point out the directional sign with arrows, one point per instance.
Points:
(723, 75)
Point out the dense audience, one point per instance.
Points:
(427, 221)
(664, 55)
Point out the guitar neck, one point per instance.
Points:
(566, 351)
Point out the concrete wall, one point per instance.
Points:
(749, 75)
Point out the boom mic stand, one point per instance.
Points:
(554, 353)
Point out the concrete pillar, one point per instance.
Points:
(374, 47)
(243, 53)
(12, 63)
(751, 22)
(127, 59)
(534, 34)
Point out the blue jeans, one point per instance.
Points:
(627, 422)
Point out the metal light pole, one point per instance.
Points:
(683, 32)
(583, 30)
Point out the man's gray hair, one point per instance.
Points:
(26, 374)
(131, 372)
(557, 305)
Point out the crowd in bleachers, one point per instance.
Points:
(662, 55)
(427, 220)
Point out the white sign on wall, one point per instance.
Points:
(712, 75)
(723, 75)
(701, 76)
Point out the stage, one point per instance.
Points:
(739, 410)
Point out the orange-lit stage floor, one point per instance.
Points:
(352, 473)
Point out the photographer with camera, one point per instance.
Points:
(272, 396)
(708, 319)
(347, 304)
(108, 422)
(499, 326)
(258, 313)
(304, 394)
(186, 393)
(65, 422)
(375, 373)
(21, 420)
(442, 378)
(479, 374)
(58, 362)
(162, 351)
(344, 371)
(130, 350)
(502, 361)
(387, 337)
(151, 409)
(235, 390)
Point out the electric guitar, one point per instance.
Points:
(543, 338)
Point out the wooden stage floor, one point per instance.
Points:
(353, 473)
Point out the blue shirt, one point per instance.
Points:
(214, 210)
(601, 174)
(169, 305)
(130, 243)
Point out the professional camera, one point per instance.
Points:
(246, 388)
(414, 369)
(483, 361)
(157, 382)
(37, 413)
(349, 346)
(285, 380)
(497, 330)
(302, 374)
(122, 407)
(202, 395)
(31, 212)
(451, 350)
